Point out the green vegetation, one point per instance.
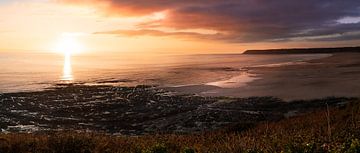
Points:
(314, 132)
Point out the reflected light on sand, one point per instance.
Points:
(235, 82)
(67, 71)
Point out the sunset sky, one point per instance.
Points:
(177, 26)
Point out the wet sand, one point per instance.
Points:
(337, 75)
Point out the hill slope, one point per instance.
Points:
(304, 50)
(314, 132)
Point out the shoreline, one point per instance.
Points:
(288, 80)
(242, 80)
(210, 68)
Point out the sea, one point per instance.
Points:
(34, 71)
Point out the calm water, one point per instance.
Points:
(36, 71)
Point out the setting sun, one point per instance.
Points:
(68, 45)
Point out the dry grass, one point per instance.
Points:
(307, 133)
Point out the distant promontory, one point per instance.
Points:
(304, 50)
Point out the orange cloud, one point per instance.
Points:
(242, 20)
(159, 33)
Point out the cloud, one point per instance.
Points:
(147, 32)
(151, 32)
(243, 20)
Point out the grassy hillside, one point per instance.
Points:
(334, 130)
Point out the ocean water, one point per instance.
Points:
(29, 71)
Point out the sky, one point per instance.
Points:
(181, 27)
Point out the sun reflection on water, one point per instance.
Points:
(68, 45)
(67, 70)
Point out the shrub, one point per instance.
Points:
(188, 150)
(354, 147)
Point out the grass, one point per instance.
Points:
(302, 134)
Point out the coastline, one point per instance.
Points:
(337, 75)
(262, 80)
(286, 80)
(139, 110)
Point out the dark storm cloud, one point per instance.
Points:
(247, 20)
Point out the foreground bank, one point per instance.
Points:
(140, 110)
(336, 129)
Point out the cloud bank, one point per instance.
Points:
(242, 20)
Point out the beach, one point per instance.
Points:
(332, 76)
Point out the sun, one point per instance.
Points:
(68, 45)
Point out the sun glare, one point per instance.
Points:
(68, 45)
